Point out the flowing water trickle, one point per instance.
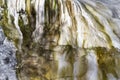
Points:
(13, 7)
(64, 39)
(39, 8)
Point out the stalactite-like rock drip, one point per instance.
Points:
(84, 31)
(64, 39)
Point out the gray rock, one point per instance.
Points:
(7, 58)
(2, 37)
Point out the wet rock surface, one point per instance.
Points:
(7, 58)
(60, 39)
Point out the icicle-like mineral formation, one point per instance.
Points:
(64, 39)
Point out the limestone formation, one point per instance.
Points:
(63, 39)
